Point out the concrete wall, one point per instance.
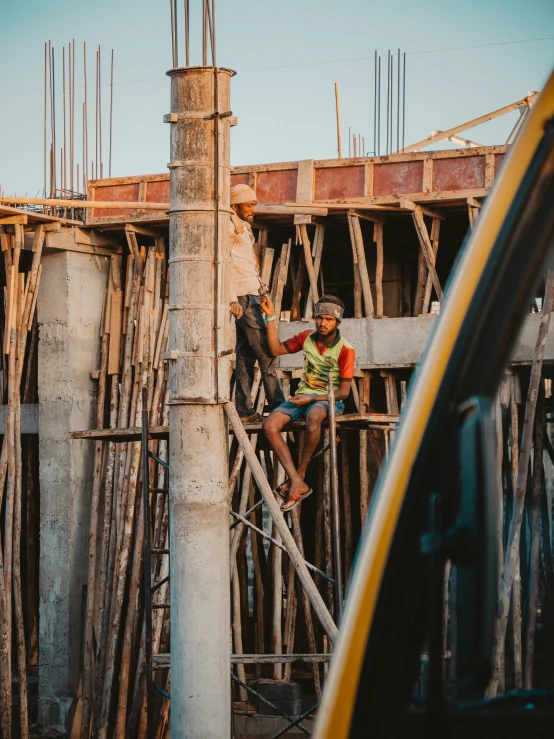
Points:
(400, 342)
(69, 316)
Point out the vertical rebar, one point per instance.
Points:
(398, 104)
(101, 159)
(391, 103)
(64, 161)
(403, 100)
(388, 101)
(96, 121)
(45, 112)
(111, 117)
(53, 88)
(375, 105)
(176, 34)
(173, 39)
(85, 119)
(379, 110)
(349, 143)
(187, 33)
(214, 59)
(204, 33)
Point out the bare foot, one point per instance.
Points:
(297, 490)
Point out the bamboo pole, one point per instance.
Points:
(508, 574)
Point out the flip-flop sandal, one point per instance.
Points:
(289, 506)
(282, 490)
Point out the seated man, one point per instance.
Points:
(325, 352)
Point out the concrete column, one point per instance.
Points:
(199, 336)
(69, 314)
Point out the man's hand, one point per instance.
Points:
(236, 309)
(267, 306)
(302, 399)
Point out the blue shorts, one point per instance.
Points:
(299, 412)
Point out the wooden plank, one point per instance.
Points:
(427, 175)
(12, 220)
(66, 243)
(115, 332)
(304, 188)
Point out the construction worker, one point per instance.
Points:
(326, 351)
(251, 329)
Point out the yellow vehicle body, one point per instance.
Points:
(336, 711)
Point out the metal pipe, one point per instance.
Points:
(199, 381)
(85, 121)
(147, 570)
(335, 509)
(391, 118)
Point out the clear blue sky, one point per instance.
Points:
(288, 55)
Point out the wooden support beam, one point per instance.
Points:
(435, 231)
(427, 249)
(356, 233)
(13, 220)
(410, 205)
(318, 251)
(143, 230)
(314, 292)
(378, 239)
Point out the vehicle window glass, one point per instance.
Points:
(523, 468)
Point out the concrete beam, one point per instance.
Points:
(69, 326)
(400, 342)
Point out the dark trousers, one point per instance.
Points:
(251, 346)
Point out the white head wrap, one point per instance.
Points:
(242, 194)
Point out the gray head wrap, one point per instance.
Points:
(329, 309)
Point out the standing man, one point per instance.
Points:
(251, 328)
(326, 352)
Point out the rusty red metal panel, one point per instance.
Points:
(391, 178)
(332, 183)
(278, 186)
(498, 159)
(464, 173)
(124, 193)
(239, 179)
(158, 192)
